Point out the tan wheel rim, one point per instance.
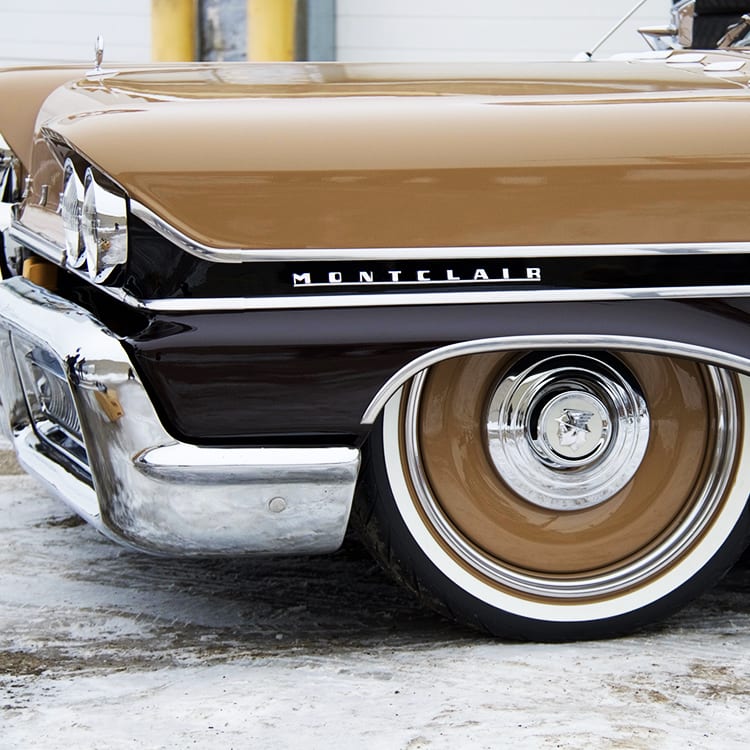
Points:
(617, 544)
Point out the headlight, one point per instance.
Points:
(104, 227)
(9, 169)
(71, 205)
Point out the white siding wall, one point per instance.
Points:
(487, 29)
(65, 30)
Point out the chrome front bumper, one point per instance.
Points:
(136, 483)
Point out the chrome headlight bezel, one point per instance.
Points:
(104, 228)
(71, 205)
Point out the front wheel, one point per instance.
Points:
(559, 496)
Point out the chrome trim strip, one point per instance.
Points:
(196, 464)
(550, 342)
(152, 492)
(238, 304)
(284, 255)
(36, 242)
(51, 251)
(56, 254)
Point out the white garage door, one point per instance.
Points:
(487, 29)
(52, 30)
(66, 30)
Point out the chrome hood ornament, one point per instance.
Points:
(98, 57)
(99, 53)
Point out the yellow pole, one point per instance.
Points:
(173, 27)
(270, 29)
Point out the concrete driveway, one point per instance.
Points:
(104, 648)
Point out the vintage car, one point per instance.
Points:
(497, 316)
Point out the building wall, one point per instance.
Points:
(487, 29)
(223, 29)
(66, 30)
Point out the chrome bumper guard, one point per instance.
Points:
(135, 482)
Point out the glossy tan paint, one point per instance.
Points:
(531, 538)
(22, 93)
(307, 156)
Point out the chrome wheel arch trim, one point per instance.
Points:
(551, 342)
(560, 610)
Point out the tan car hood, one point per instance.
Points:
(337, 155)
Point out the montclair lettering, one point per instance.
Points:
(422, 276)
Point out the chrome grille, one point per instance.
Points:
(53, 393)
(50, 400)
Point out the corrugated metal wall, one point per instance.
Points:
(486, 29)
(52, 30)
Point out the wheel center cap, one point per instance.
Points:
(567, 431)
(574, 427)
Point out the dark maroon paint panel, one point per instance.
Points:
(254, 376)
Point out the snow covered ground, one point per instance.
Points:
(104, 648)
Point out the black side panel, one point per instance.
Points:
(308, 375)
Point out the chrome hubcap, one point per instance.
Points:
(574, 429)
(567, 432)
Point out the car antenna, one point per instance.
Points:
(590, 54)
